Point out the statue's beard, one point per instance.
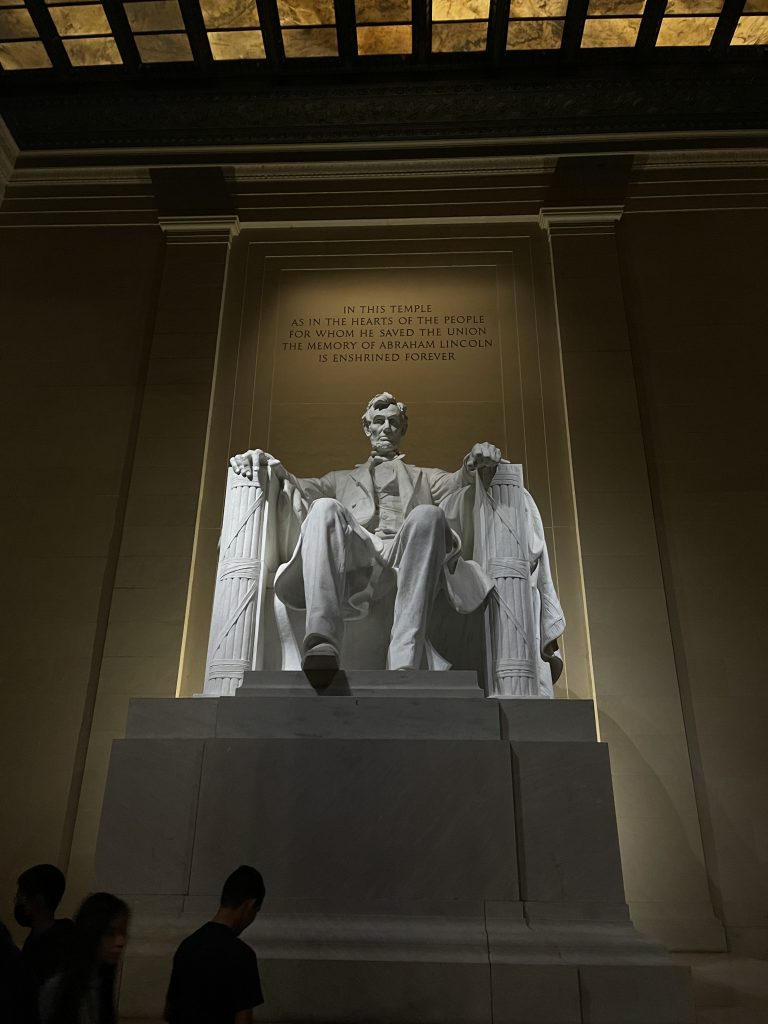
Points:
(383, 446)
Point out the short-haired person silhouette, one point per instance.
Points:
(38, 894)
(215, 975)
(83, 991)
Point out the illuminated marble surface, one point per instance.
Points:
(311, 42)
(306, 12)
(686, 31)
(17, 25)
(15, 56)
(384, 11)
(154, 16)
(535, 35)
(448, 38)
(160, 49)
(459, 10)
(92, 52)
(229, 13)
(80, 21)
(751, 31)
(538, 8)
(610, 32)
(384, 39)
(236, 45)
(756, 7)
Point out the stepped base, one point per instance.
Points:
(443, 858)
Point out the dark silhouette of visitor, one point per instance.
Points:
(18, 994)
(215, 975)
(83, 991)
(38, 894)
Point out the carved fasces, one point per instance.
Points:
(240, 580)
(501, 548)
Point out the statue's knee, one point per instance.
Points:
(426, 518)
(325, 509)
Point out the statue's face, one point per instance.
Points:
(385, 429)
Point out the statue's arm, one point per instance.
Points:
(310, 488)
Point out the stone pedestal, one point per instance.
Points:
(429, 855)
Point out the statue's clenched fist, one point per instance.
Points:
(483, 454)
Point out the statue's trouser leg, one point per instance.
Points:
(327, 551)
(425, 540)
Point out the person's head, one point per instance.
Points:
(101, 929)
(242, 896)
(38, 894)
(385, 422)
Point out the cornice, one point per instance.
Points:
(200, 230)
(580, 220)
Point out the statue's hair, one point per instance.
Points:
(383, 401)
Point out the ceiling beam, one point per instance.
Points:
(573, 29)
(650, 23)
(346, 30)
(270, 30)
(121, 29)
(497, 30)
(421, 11)
(726, 26)
(196, 31)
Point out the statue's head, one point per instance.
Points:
(385, 422)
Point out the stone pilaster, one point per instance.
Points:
(636, 685)
(147, 614)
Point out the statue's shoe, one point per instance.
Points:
(322, 657)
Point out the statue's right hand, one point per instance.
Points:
(246, 463)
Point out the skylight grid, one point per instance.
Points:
(21, 48)
(460, 26)
(383, 27)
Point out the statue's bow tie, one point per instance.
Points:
(375, 460)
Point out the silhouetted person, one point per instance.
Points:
(83, 991)
(18, 995)
(215, 975)
(38, 894)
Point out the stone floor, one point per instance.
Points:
(728, 989)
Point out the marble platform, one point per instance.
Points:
(429, 855)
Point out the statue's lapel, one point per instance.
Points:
(362, 476)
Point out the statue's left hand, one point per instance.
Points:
(483, 454)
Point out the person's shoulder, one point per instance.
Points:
(246, 952)
(63, 926)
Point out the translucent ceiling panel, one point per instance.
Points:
(684, 31)
(383, 27)
(310, 42)
(307, 27)
(165, 48)
(17, 24)
(382, 12)
(23, 56)
(459, 37)
(459, 26)
(384, 39)
(752, 30)
(537, 9)
(694, 6)
(154, 16)
(229, 13)
(535, 34)
(92, 52)
(237, 45)
(80, 20)
(612, 23)
(306, 12)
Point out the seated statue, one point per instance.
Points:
(386, 525)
